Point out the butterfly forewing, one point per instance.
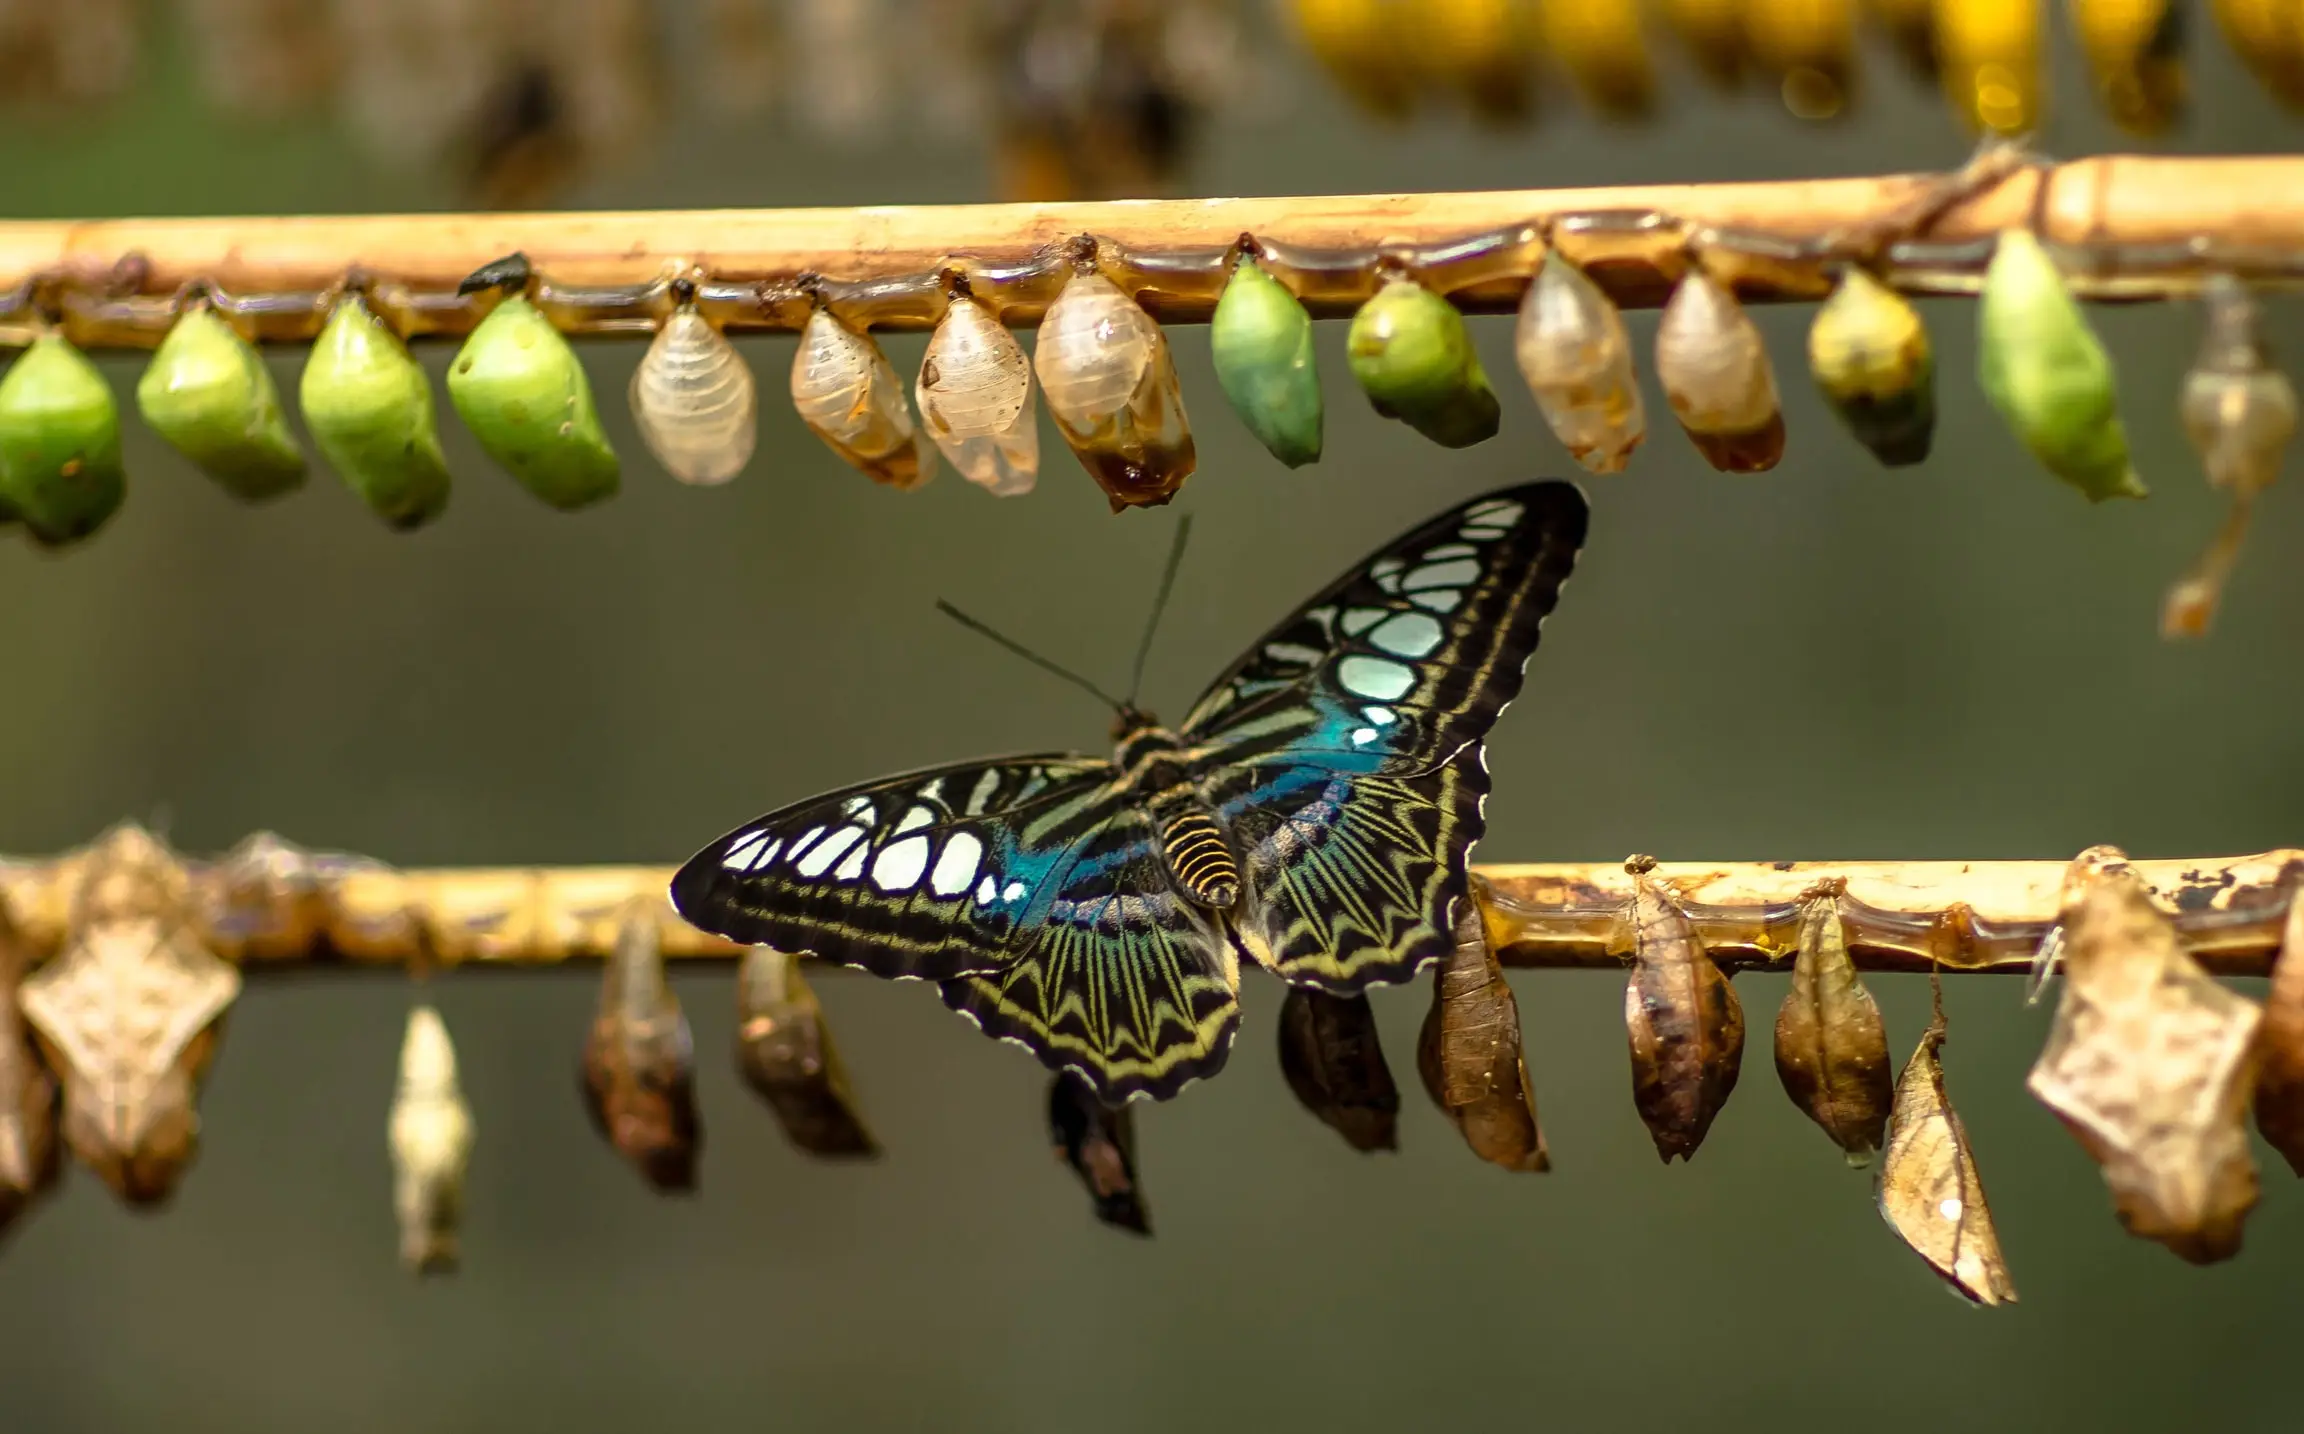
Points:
(1344, 750)
(934, 874)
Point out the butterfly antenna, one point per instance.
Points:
(1028, 654)
(1159, 605)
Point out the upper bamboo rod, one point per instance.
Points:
(2139, 226)
(272, 904)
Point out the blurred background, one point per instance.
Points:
(1828, 661)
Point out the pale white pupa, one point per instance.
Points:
(848, 394)
(693, 400)
(976, 399)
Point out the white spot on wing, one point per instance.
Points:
(739, 857)
(915, 819)
(1012, 891)
(987, 890)
(1381, 716)
(1463, 572)
(1407, 634)
(853, 866)
(1362, 736)
(861, 809)
(1502, 512)
(1450, 550)
(1438, 599)
(1360, 619)
(983, 791)
(1375, 677)
(821, 856)
(899, 864)
(1292, 652)
(956, 865)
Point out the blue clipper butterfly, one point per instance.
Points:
(1314, 813)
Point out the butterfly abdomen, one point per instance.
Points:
(1199, 857)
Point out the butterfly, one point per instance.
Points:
(1314, 813)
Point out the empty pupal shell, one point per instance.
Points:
(1332, 1057)
(2239, 410)
(369, 407)
(1871, 358)
(430, 1137)
(784, 1050)
(848, 394)
(1572, 349)
(1927, 1187)
(975, 397)
(522, 391)
(31, 1156)
(1469, 1053)
(59, 443)
(208, 393)
(2048, 375)
(1112, 390)
(1099, 1142)
(639, 1062)
(1261, 339)
(693, 403)
(1714, 367)
(1414, 359)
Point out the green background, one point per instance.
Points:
(1831, 660)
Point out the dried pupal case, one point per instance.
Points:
(1111, 387)
(1714, 368)
(1413, 357)
(2239, 410)
(784, 1051)
(31, 1158)
(59, 443)
(1685, 1023)
(2280, 1045)
(1099, 1143)
(2047, 373)
(1872, 361)
(1928, 1189)
(1573, 351)
(369, 407)
(639, 1060)
(2150, 1064)
(1831, 1047)
(849, 395)
(692, 398)
(208, 393)
(128, 1015)
(1991, 56)
(976, 399)
(1261, 339)
(430, 1136)
(520, 388)
(1468, 1054)
(2135, 50)
(1333, 1060)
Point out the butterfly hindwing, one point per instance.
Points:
(930, 875)
(1344, 750)
(1121, 979)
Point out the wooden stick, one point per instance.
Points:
(269, 904)
(2142, 226)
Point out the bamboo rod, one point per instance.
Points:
(2138, 226)
(269, 904)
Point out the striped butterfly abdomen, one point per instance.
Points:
(1198, 856)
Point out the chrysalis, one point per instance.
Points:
(1358, 42)
(59, 443)
(1414, 359)
(1810, 47)
(1573, 351)
(1261, 340)
(2150, 1065)
(430, 1137)
(976, 399)
(1099, 1143)
(1991, 58)
(30, 1155)
(1928, 1189)
(2263, 34)
(2280, 1045)
(1870, 354)
(1685, 1024)
(2048, 374)
(1831, 1048)
(1468, 1054)
(369, 407)
(1601, 46)
(848, 394)
(1714, 367)
(1333, 1061)
(784, 1050)
(1713, 31)
(1111, 387)
(639, 1061)
(2240, 413)
(209, 395)
(2135, 49)
(692, 401)
(522, 391)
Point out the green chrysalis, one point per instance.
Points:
(1261, 339)
(2048, 375)
(59, 443)
(1414, 359)
(1870, 354)
(208, 393)
(369, 407)
(520, 388)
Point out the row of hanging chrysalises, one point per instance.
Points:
(1104, 367)
(2152, 1063)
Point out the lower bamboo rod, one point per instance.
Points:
(271, 904)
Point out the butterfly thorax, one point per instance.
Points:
(1192, 841)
